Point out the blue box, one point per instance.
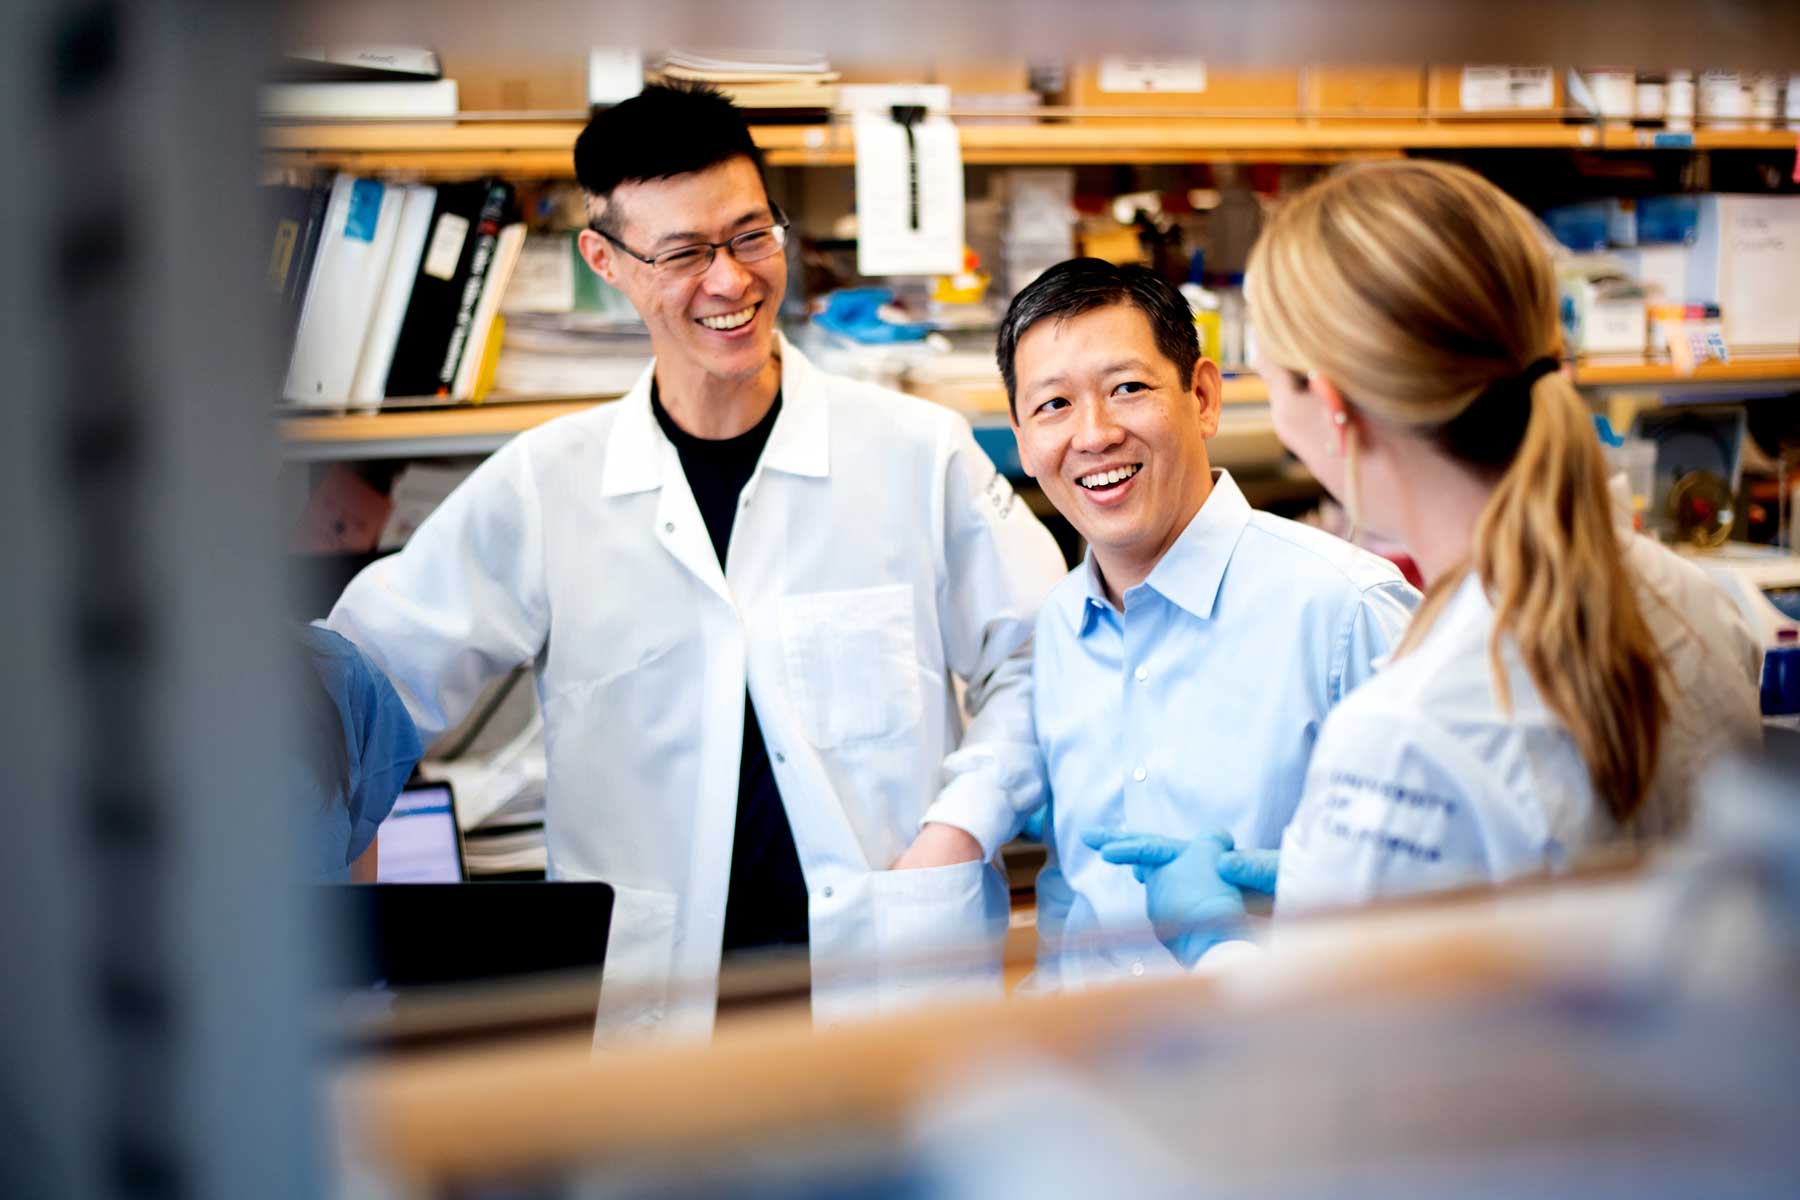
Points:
(1580, 227)
(1668, 220)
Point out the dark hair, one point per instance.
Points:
(1081, 285)
(667, 129)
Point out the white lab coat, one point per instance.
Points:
(876, 553)
(1421, 781)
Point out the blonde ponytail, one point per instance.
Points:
(1424, 294)
(1549, 555)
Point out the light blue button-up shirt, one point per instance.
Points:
(1196, 707)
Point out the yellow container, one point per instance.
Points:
(1206, 324)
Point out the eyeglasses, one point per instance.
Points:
(753, 245)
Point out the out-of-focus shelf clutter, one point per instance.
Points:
(428, 258)
(542, 147)
(471, 429)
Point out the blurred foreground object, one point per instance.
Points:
(1629, 1030)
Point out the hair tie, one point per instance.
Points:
(1527, 379)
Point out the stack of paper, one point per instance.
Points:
(510, 839)
(368, 82)
(567, 332)
(780, 86)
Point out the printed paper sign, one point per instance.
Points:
(1152, 75)
(909, 197)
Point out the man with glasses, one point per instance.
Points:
(746, 590)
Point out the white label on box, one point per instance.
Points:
(1491, 89)
(1152, 75)
(446, 246)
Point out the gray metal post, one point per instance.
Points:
(151, 1032)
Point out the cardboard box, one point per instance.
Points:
(1175, 84)
(983, 78)
(521, 85)
(1397, 92)
(1496, 90)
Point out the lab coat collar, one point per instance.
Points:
(1191, 570)
(800, 443)
(637, 453)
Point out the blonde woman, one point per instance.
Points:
(1564, 681)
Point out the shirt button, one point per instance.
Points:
(1137, 968)
(1140, 774)
(825, 892)
(668, 527)
(1142, 674)
(780, 757)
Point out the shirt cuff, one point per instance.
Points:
(977, 807)
(1223, 956)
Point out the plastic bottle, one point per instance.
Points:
(1205, 307)
(1781, 681)
(1231, 322)
(1678, 101)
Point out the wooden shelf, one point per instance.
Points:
(1748, 370)
(483, 428)
(1619, 138)
(543, 148)
(479, 429)
(470, 429)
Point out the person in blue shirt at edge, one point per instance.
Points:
(1182, 671)
(1565, 680)
(746, 591)
(357, 747)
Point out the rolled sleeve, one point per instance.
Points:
(973, 802)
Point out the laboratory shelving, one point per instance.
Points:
(542, 148)
(481, 428)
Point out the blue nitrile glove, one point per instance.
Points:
(1189, 906)
(1252, 870)
(1036, 824)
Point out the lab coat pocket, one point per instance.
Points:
(640, 955)
(852, 663)
(938, 934)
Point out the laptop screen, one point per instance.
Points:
(419, 842)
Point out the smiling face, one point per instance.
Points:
(1114, 436)
(718, 325)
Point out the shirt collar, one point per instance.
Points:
(799, 444)
(1189, 573)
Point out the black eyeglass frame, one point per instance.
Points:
(653, 261)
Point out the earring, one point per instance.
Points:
(1340, 418)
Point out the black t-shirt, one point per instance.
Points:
(767, 903)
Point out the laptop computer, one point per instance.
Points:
(437, 962)
(420, 842)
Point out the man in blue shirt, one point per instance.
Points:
(1183, 669)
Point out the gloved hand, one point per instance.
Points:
(1191, 908)
(1036, 824)
(1252, 870)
